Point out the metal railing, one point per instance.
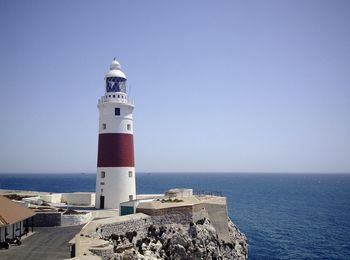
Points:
(203, 193)
(104, 99)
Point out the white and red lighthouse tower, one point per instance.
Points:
(115, 180)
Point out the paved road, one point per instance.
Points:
(45, 243)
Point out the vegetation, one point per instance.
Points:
(171, 201)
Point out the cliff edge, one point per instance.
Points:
(189, 227)
(176, 241)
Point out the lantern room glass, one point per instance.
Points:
(115, 84)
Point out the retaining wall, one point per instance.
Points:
(141, 225)
(181, 214)
(46, 219)
(73, 220)
(120, 228)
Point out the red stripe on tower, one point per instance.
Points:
(115, 150)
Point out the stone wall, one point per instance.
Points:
(164, 211)
(106, 253)
(120, 228)
(217, 213)
(175, 241)
(176, 215)
(183, 215)
(46, 219)
(141, 225)
(179, 218)
(179, 215)
(199, 211)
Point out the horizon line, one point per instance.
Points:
(180, 172)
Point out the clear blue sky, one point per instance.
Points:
(228, 86)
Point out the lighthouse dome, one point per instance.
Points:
(115, 70)
(115, 65)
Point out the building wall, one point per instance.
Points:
(52, 198)
(32, 200)
(2, 234)
(13, 230)
(73, 220)
(115, 124)
(116, 187)
(77, 198)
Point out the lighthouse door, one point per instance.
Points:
(102, 202)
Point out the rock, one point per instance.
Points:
(181, 242)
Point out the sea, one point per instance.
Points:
(284, 216)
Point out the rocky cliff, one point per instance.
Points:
(197, 240)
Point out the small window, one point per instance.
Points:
(131, 197)
(117, 111)
(118, 96)
(103, 175)
(102, 183)
(113, 96)
(130, 174)
(104, 126)
(128, 126)
(109, 95)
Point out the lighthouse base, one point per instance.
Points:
(114, 185)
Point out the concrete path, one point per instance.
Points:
(45, 243)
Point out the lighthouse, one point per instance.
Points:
(115, 179)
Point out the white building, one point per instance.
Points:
(115, 180)
(14, 219)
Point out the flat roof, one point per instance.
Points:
(186, 201)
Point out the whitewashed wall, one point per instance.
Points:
(73, 220)
(79, 198)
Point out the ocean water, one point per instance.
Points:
(285, 216)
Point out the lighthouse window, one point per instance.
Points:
(104, 126)
(117, 111)
(130, 174)
(102, 183)
(113, 96)
(103, 174)
(128, 126)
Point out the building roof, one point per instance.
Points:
(185, 201)
(12, 212)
